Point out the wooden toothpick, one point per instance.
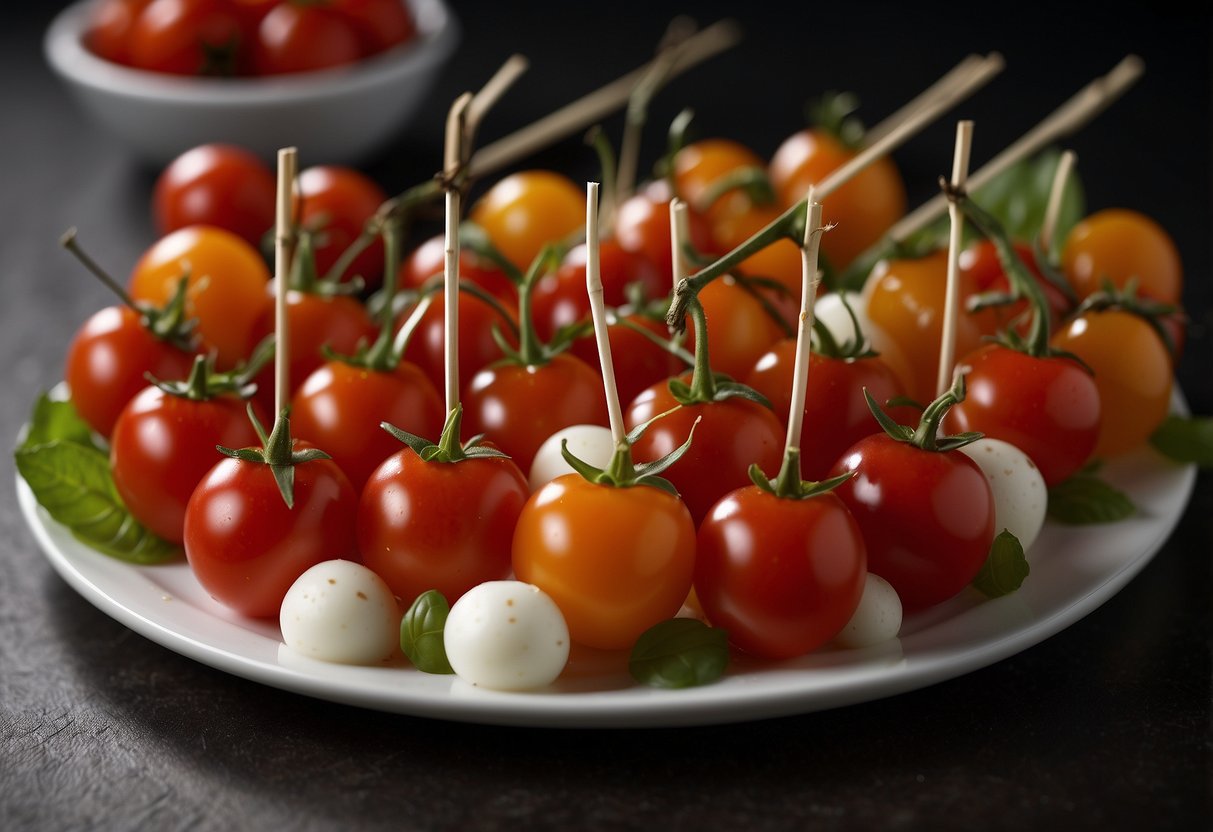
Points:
(973, 66)
(453, 158)
(951, 304)
(1057, 193)
(680, 232)
(809, 280)
(288, 165)
(593, 285)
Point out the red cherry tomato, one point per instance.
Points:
(836, 414)
(517, 407)
(1049, 408)
(615, 560)
(1118, 245)
(525, 211)
(638, 361)
(439, 525)
(338, 201)
(339, 408)
(731, 435)
(381, 24)
(187, 37)
(246, 547)
(477, 347)
(227, 285)
(108, 360)
(642, 225)
(927, 517)
(782, 576)
(429, 260)
(981, 262)
(216, 184)
(110, 26)
(164, 444)
(304, 38)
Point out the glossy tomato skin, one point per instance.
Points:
(642, 225)
(108, 360)
(428, 261)
(527, 210)
(518, 407)
(339, 408)
(109, 28)
(1049, 408)
(731, 435)
(338, 201)
(981, 262)
(227, 285)
(638, 361)
(163, 445)
(246, 547)
(477, 346)
(187, 37)
(836, 414)
(740, 330)
(1133, 374)
(1118, 245)
(216, 184)
(783, 577)
(927, 518)
(299, 38)
(615, 560)
(435, 525)
(380, 24)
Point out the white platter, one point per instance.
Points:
(1074, 570)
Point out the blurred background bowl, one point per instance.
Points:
(339, 115)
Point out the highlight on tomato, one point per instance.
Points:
(529, 210)
(1117, 245)
(336, 204)
(216, 184)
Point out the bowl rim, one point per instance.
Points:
(63, 46)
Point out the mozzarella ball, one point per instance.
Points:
(592, 443)
(876, 619)
(340, 611)
(1020, 495)
(506, 635)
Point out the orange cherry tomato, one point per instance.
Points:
(525, 211)
(1132, 372)
(615, 560)
(739, 329)
(226, 290)
(1118, 245)
(864, 208)
(699, 166)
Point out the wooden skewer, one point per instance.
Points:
(1087, 103)
(954, 79)
(453, 153)
(809, 279)
(583, 112)
(680, 232)
(593, 285)
(490, 93)
(1057, 194)
(288, 165)
(951, 304)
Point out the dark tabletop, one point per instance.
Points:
(1106, 724)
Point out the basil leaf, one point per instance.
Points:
(421, 632)
(1084, 499)
(57, 420)
(73, 483)
(1019, 196)
(1186, 439)
(1005, 567)
(679, 653)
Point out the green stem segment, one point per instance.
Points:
(926, 436)
(278, 452)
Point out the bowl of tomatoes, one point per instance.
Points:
(336, 79)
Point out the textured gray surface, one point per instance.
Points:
(1106, 724)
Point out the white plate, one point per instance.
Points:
(1074, 570)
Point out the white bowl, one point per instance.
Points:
(339, 115)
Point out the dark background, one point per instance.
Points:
(1105, 725)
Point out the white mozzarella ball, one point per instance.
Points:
(1020, 495)
(506, 635)
(340, 611)
(592, 443)
(877, 618)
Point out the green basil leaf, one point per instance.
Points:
(1084, 499)
(1005, 567)
(1186, 439)
(56, 420)
(73, 483)
(1019, 196)
(421, 632)
(679, 653)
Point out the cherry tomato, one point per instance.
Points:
(731, 435)
(740, 330)
(429, 260)
(782, 576)
(527, 210)
(836, 414)
(638, 361)
(517, 407)
(1133, 373)
(642, 225)
(338, 201)
(981, 262)
(227, 285)
(187, 37)
(110, 26)
(927, 517)
(1118, 245)
(339, 408)
(905, 300)
(303, 38)
(477, 347)
(216, 184)
(1049, 408)
(439, 525)
(381, 24)
(246, 547)
(700, 165)
(864, 208)
(615, 560)
(164, 444)
(108, 360)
